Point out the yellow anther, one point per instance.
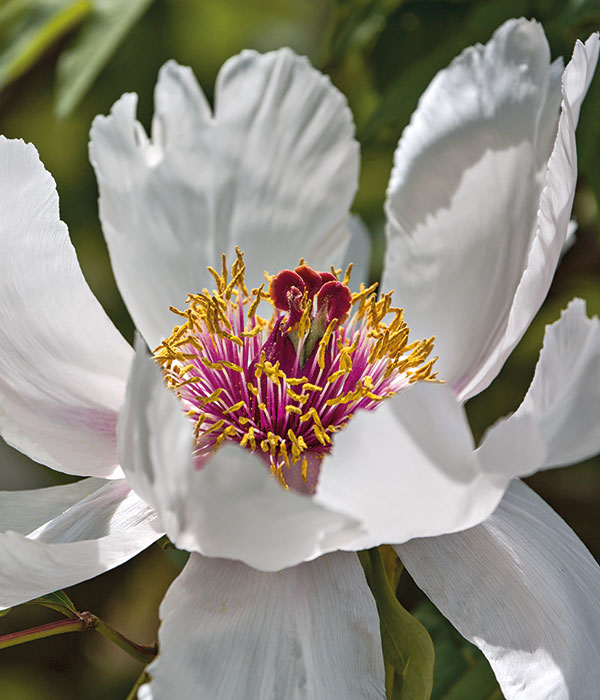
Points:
(325, 341)
(215, 426)
(304, 469)
(318, 430)
(251, 333)
(212, 397)
(293, 409)
(211, 365)
(234, 338)
(283, 453)
(198, 425)
(191, 380)
(347, 274)
(217, 277)
(302, 398)
(249, 438)
(256, 302)
(235, 407)
(232, 365)
(228, 432)
(298, 444)
(273, 442)
(252, 389)
(293, 381)
(312, 387)
(336, 375)
(281, 479)
(224, 268)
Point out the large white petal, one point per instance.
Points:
(525, 590)
(63, 365)
(307, 633)
(231, 507)
(479, 198)
(358, 252)
(24, 511)
(273, 171)
(562, 405)
(564, 395)
(408, 469)
(99, 532)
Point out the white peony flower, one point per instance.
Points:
(273, 602)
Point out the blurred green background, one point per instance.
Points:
(64, 61)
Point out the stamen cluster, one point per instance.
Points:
(282, 386)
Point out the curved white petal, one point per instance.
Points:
(113, 508)
(408, 469)
(307, 633)
(231, 507)
(358, 252)
(479, 198)
(273, 171)
(525, 590)
(99, 532)
(63, 365)
(24, 511)
(562, 406)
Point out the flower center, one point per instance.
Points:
(283, 385)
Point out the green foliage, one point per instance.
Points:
(29, 27)
(461, 671)
(78, 66)
(407, 647)
(58, 601)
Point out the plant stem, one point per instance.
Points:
(142, 678)
(142, 652)
(84, 621)
(49, 630)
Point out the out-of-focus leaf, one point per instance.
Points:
(29, 28)
(58, 601)
(407, 646)
(11, 10)
(432, 54)
(357, 24)
(588, 143)
(5, 612)
(77, 67)
(461, 671)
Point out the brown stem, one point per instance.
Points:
(84, 621)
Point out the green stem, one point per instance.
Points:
(49, 630)
(143, 678)
(84, 621)
(142, 652)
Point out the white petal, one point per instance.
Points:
(478, 208)
(525, 590)
(92, 536)
(563, 401)
(513, 446)
(408, 469)
(307, 633)
(359, 252)
(24, 511)
(274, 171)
(231, 507)
(111, 509)
(63, 365)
